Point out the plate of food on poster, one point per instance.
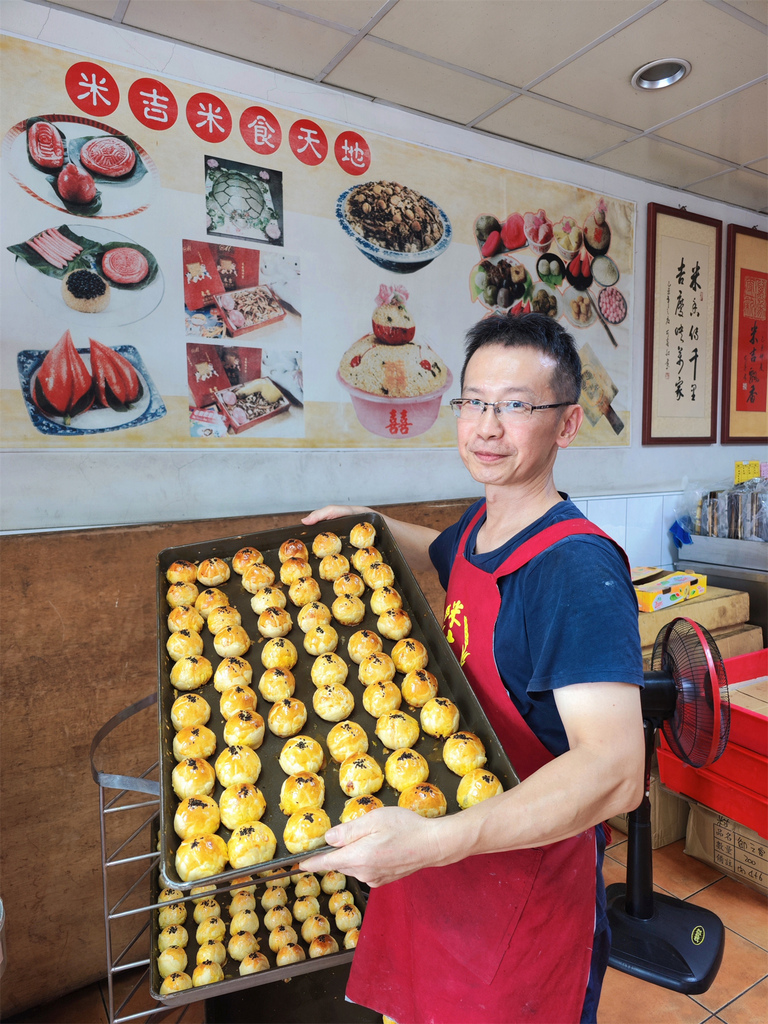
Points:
(80, 166)
(99, 275)
(70, 391)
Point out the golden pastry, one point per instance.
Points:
(252, 843)
(365, 556)
(418, 687)
(301, 792)
(244, 921)
(207, 973)
(184, 643)
(326, 544)
(237, 764)
(208, 599)
(405, 768)
(205, 909)
(173, 935)
(212, 572)
(191, 673)
(333, 702)
(409, 655)
(277, 917)
(306, 884)
(182, 594)
(172, 913)
(246, 557)
(351, 939)
(314, 926)
(241, 944)
(378, 574)
(231, 642)
(321, 640)
(181, 571)
(346, 738)
(268, 597)
(301, 754)
(200, 891)
(274, 896)
(363, 643)
(348, 585)
(279, 653)
(241, 900)
(283, 935)
(200, 857)
(253, 963)
(381, 698)
(306, 830)
(463, 752)
(376, 668)
(313, 614)
(304, 590)
(246, 728)
(293, 548)
(212, 950)
(477, 785)
(396, 730)
(274, 622)
(210, 929)
(440, 717)
(385, 599)
(323, 945)
(293, 953)
(194, 776)
(294, 569)
(340, 898)
(223, 615)
(348, 610)
(170, 895)
(394, 624)
(348, 917)
(329, 669)
(176, 982)
(277, 684)
(257, 576)
(243, 883)
(287, 717)
(333, 566)
(195, 815)
(184, 616)
(171, 960)
(194, 741)
(234, 699)
(425, 799)
(333, 881)
(360, 775)
(189, 710)
(232, 672)
(305, 907)
(362, 535)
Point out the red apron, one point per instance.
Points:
(496, 938)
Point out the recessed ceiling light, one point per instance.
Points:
(660, 74)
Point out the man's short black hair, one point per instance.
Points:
(531, 330)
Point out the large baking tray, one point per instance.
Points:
(233, 980)
(442, 663)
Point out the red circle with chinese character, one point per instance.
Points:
(353, 154)
(308, 142)
(260, 130)
(153, 104)
(92, 89)
(209, 117)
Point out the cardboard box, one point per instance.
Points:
(669, 815)
(671, 588)
(728, 846)
(714, 610)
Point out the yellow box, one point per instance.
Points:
(671, 588)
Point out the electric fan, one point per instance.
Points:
(654, 936)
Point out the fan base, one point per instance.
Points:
(679, 947)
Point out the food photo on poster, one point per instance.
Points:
(243, 201)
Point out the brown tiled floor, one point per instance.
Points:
(739, 994)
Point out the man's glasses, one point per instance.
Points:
(473, 408)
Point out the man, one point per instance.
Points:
(496, 914)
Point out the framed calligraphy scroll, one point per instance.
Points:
(745, 343)
(682, 317)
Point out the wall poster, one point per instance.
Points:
(193, 269)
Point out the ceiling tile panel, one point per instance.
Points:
(735, 128)
(263, 35)
(352, 13)
(101, 8)
(548, 126)
(757, 9)
(725, 53)
(376, 70)
(513, 41)
(741, 188)
(657, 161)
(760, 165)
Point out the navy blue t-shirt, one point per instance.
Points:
(567, 616)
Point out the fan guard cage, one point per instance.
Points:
(698, 730)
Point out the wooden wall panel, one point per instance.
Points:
(80, 645)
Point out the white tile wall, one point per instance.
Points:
(639, 522)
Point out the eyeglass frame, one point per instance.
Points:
(457, 404)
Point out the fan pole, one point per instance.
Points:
(639, 898)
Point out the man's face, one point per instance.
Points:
(517, 449)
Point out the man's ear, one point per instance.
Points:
(570, 424)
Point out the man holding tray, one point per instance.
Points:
(497, 913)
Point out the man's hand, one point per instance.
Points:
(334, 512)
